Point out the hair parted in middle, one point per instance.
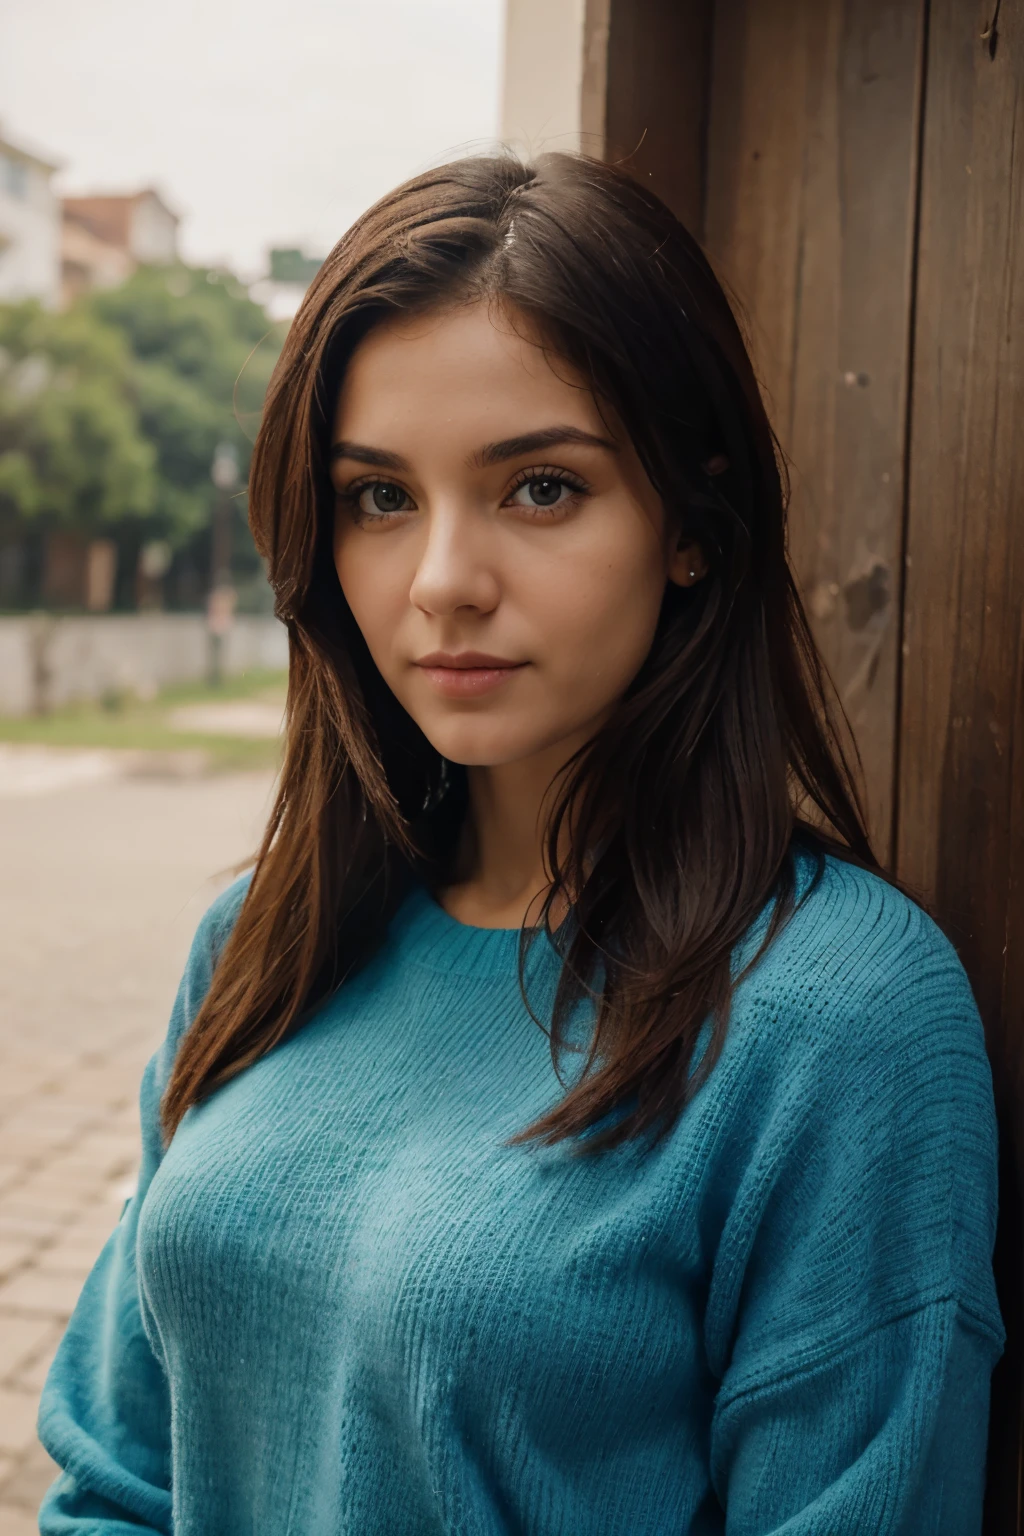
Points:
(675, 827)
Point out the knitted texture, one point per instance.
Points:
(341, 1305)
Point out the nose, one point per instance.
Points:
(456, 568)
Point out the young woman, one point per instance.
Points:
(566, 1129)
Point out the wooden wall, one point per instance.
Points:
(856, 171)
(657, 72)
(960, 766)
(812, 158)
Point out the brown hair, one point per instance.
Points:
(723, 754)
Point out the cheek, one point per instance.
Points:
(599, 613)
(374, 590)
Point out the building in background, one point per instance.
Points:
(104, 238)
(29, 226)
(87, 262)
(138, 223)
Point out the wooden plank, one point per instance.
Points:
(812, 163)
(651, 57)
(961, 768)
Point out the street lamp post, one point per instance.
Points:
(220, 603)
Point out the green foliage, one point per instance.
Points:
(70, 446)
(201, 326)
(110, 413)
(203, 354)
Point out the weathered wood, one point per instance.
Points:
(891, 353)
(653, 55)
(812, 160)
(961, 746)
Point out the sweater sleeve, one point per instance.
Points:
(852, 1317)
(886, 1436)
(105, 1411)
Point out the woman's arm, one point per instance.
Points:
(852, 1317)
(886, 1436)
(105, 1410)
(105, 1413)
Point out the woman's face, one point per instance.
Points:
(501, 548)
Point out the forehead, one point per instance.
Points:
(474, 372)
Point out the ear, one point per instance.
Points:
(687, 563)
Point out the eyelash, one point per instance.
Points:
(572, 482)
(349, 497)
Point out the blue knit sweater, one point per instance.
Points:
(340, 1303)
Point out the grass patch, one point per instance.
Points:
(122, 721)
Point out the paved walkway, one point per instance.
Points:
(102, 883)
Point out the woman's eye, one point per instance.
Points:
(381, 498)
(543, 491)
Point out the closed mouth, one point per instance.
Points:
(467, 661)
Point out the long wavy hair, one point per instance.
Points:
(676, 826)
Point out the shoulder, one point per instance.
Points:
(859, 1097)
(860, 1011)
(857, 946)
(210, 937)
(857, 1028)
(217, 921)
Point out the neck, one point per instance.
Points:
(507, 877)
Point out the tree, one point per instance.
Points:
(110, 413)
(203, 353)
(71, 448)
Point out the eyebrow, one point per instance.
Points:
(380, 458)
(483, 458)
(533, 442)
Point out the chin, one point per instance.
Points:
(474, 745)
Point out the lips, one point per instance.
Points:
(464, 661)
(466, 674)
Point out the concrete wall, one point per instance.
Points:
(543, 77)
(555, 82)
(46, 662)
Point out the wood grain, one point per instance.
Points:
(812, 161)
(656, 105)
(860, 169)
(961, 748)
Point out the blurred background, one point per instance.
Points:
(171, 177)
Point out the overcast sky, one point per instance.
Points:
(262, 124)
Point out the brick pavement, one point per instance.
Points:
(101, 888)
